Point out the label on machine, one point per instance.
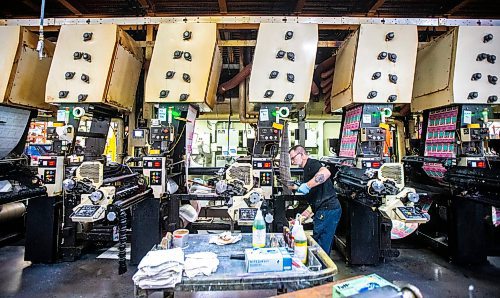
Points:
(247, 214)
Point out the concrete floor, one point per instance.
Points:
(89, 277)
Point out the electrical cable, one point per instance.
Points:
(178, 139)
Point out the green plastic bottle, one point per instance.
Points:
(259, 230)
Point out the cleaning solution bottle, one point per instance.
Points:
(300, 239)
(259, 230)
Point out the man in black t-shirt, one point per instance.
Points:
(321, 196)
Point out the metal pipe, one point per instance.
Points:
(118, 193)
(236, 80)
(12, 159)
(11, 211)
(39, 46)
(115, 179)
(124, 204)
(204, 170)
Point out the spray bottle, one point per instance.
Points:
(300, 239)
(259, 230)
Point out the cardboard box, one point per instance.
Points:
(267, 260)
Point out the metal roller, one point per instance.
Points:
(11, 211)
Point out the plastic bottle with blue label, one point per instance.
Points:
(259, 230)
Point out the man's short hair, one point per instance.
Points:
(298, 149)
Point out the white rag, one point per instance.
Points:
(200, 263)
(160, 269)
(224, 238)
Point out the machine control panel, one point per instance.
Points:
(410, 214)
(155, 178)
(88, 213)
(373, 164)
(476, 163)
(247, 214)
(267, 134)
(152, 163)
(262, 164)
(160, 133)
(49, 177)
(372, 134)
(266, 178)
(263, 171)
(473, 134)
(51, 171)
(52, 134)
(155, 172)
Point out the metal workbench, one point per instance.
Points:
(231, 274)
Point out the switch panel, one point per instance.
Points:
(372, 134)
(265, 178)
(269, 134)
(473, 134)
(49, 176)
(155, 178)
(160, 134)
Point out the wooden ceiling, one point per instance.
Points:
(474, 9)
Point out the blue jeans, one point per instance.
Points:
(325, 224)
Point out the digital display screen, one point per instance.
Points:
(138, 133)
(248, 213)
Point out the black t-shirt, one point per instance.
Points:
(322, 196)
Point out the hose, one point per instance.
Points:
(39, 46)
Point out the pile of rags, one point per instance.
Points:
(200, 263)
(160, 269)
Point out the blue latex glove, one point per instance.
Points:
(304, 188)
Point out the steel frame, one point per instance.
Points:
(243, 21)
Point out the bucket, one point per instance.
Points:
(180, 238)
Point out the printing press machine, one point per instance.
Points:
(92, 201)
(455, 166)
(373, 73)
(21, 97)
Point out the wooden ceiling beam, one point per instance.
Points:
(31, 5)
(70, 7)
(373, 10)
(299, 6)
(222, 6)
(147, 6)
(457, 7)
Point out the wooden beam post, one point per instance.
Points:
(299, 5)
(146, 5)
(222, 6)
(375, 7)
(457, 7)
(149, 39)
(70, 7)
(31, 5)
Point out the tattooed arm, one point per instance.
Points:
(321, 176)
